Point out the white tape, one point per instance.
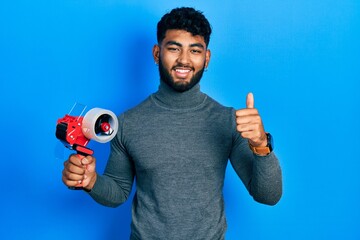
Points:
(89, 124)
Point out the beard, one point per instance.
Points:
(179, 86)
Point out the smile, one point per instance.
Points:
(182, 70)
(182, 73)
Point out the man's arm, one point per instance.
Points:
(261, 173)
(114, 186)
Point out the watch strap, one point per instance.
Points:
(260, 150)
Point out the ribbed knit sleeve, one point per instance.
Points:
(114, 186)
(260, 174)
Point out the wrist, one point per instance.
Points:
(265, 148)
(262, 142)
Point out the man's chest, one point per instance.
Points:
(179, 141)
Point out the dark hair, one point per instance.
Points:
(187, 19)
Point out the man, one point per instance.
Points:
(177, 144)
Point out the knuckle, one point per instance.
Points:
(74, 177)
(74, 159)
(66, 175)
(238, 128)
(66, 181)
(244, 135)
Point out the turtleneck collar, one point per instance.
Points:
(169, 98)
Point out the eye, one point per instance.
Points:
(173, 49)
(195, 51)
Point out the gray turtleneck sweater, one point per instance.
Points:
(177, 145)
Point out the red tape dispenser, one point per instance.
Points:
(76, 131)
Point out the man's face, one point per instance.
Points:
(182, 59)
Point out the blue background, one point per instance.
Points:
(300, 58)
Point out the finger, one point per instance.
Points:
(87, 160)
(252, 136)
(74, 169)
(72, 176)
(90, 168)
(250, 100)
(246, 127)
(246, 112)
(71, 183)
(86, 181)
(247, 119)
(75, 159)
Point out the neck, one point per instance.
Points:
(169, 98)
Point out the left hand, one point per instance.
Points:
(249, 123)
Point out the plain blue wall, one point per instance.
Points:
(301, 59)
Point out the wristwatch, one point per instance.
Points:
(263, 151)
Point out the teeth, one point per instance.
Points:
(182, 70)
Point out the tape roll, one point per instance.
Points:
(91, 121)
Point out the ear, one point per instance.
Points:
(207, 58)
(156, 53)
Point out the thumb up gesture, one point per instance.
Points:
(249, 123)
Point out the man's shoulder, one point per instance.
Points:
(139, 108)
(219, 106)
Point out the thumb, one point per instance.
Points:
(250, 100)
(87, 160)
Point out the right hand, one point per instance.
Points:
(79, 172)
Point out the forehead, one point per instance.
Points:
(183, 37)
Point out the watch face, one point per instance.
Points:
(270, 140)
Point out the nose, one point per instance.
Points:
(184, 57)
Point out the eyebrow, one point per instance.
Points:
(180, 45)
